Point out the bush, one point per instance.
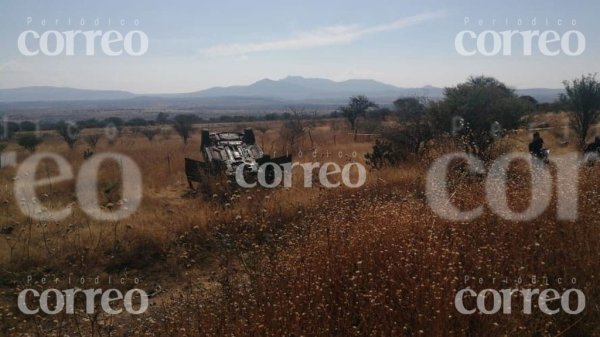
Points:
(150, 133)
(29, 141)
(69, 132)
(408, 139)
(92, 140)
(385, 153)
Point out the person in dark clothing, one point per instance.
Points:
(536, 147)
(594, 146)
(591, 153)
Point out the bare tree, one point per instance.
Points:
(357, 107)
(184, 126)
(92, 140)
(262, 128)
(150, 133)
(583, 99)
(296, 127)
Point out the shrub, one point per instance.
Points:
(69, 132)
(29, 141)
(92, 140)
(150, 133)
(385, 153)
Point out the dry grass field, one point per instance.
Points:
(372, 261)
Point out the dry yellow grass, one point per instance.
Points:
(373, 261)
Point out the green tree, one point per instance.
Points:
(409, 107)
(582, 98)
(478, 112)
(357, 107)
(69, 132)
(29, 141)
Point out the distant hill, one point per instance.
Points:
(289, 90)
(324, 90)
(542, 95)
(309, 89)
(34, 94)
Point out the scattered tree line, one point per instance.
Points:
(183, 124)
(475, 115)
(9, 128)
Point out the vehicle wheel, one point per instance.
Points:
(205, 139)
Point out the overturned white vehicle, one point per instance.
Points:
(224, 152)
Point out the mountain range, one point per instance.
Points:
(41, 94)
(300, 88)
(287, 90)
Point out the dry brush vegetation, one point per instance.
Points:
(374, 261)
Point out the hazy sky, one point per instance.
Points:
(194, 45)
